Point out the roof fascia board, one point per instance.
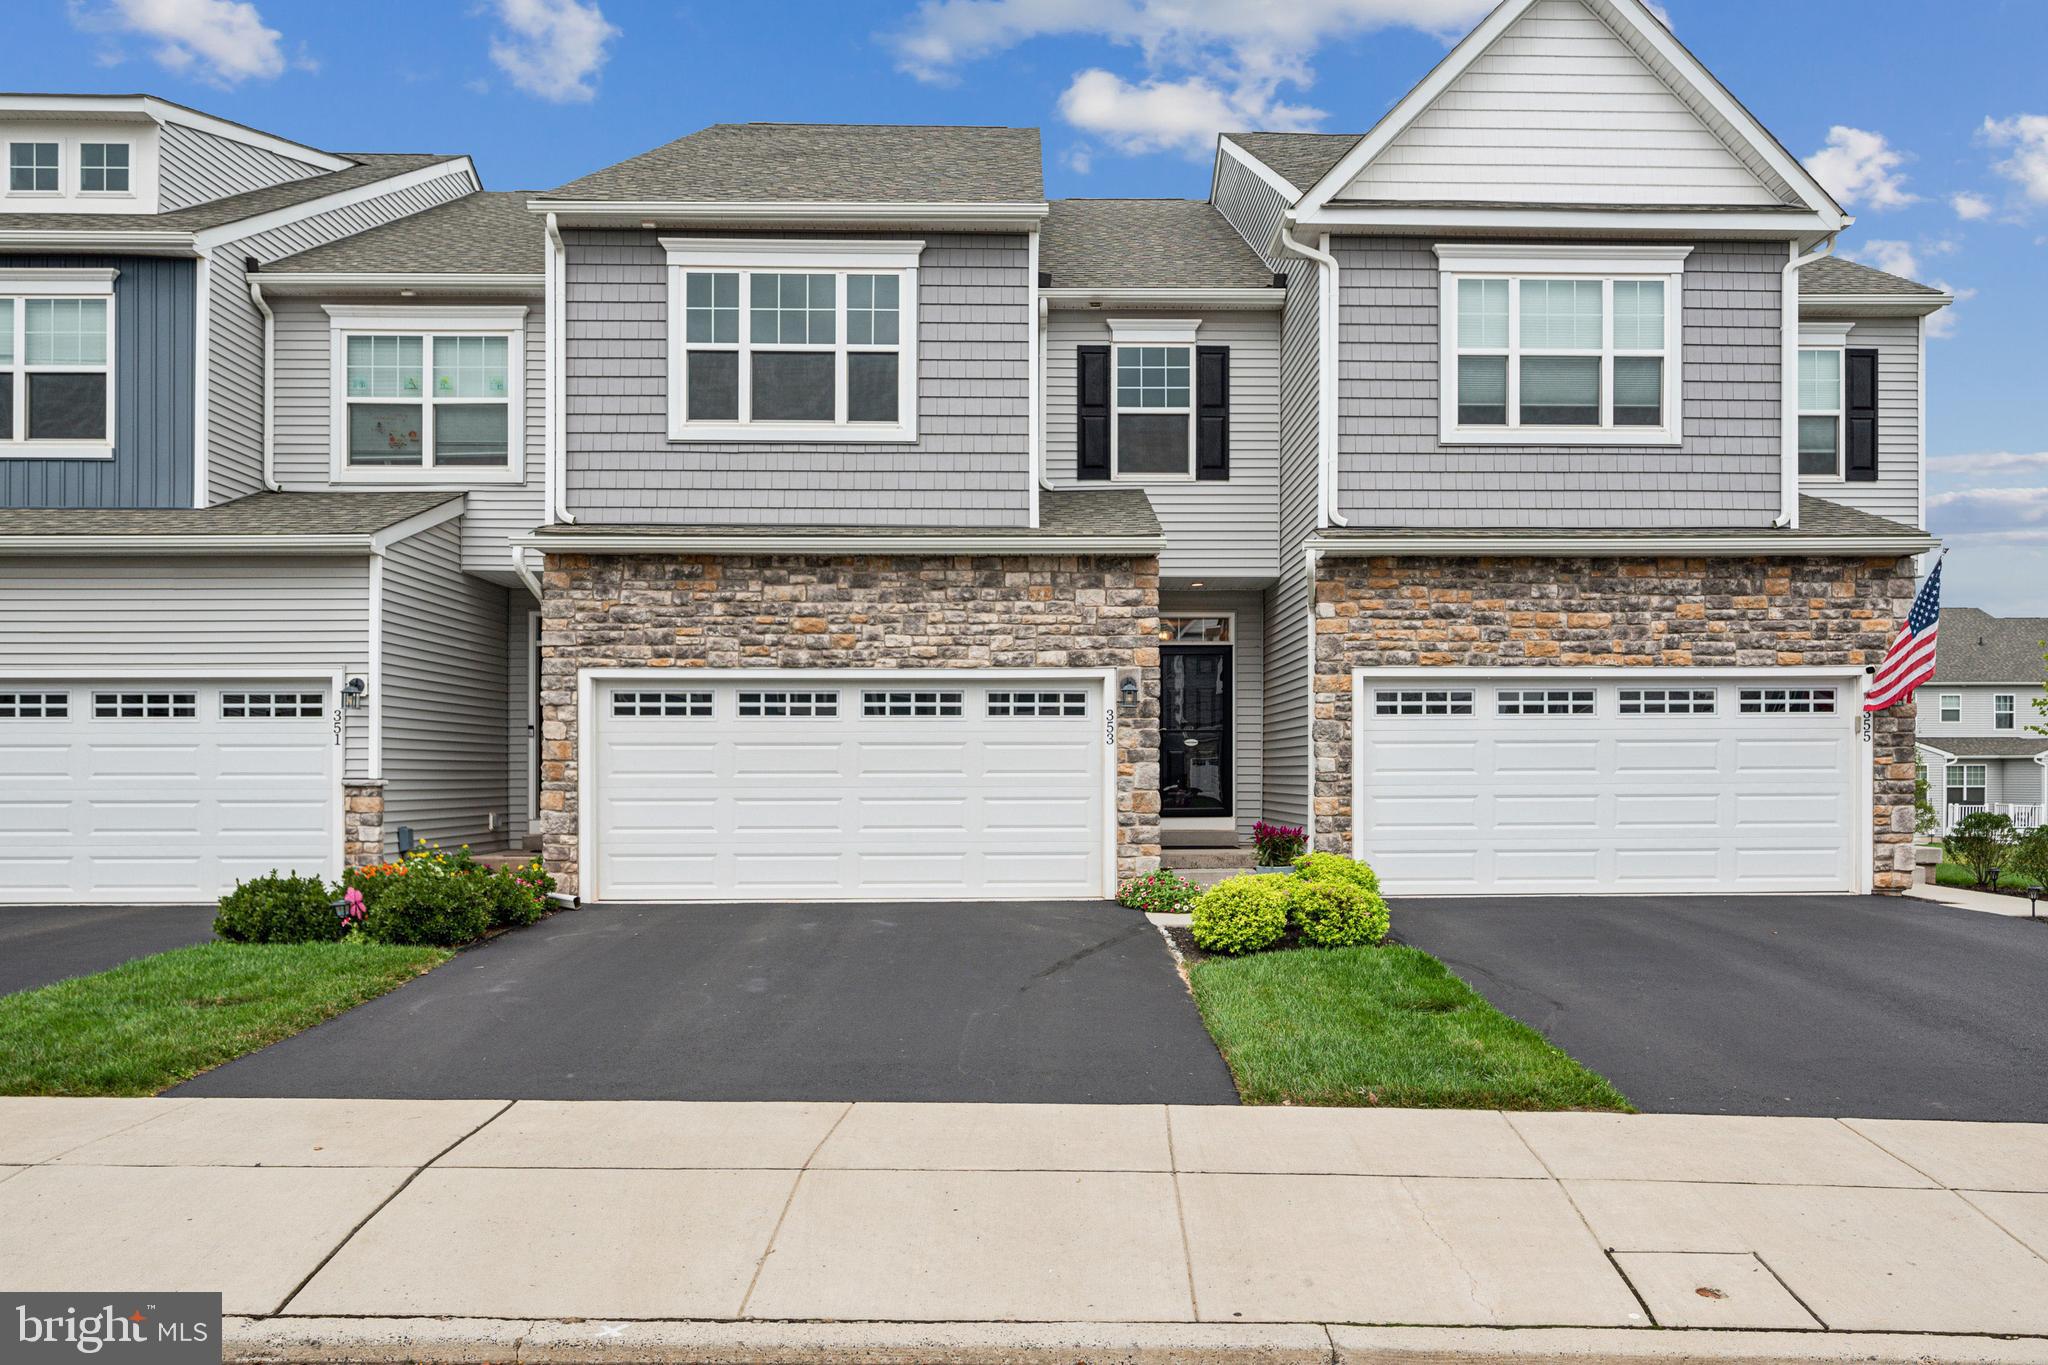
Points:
(1618, 547)
(1873, 305)
(140, 243)
(1511, 219)
(604, 544)
(208, 238)
(415, 524)
(163, 111)
(668, 213)
(1214, 299)
(1277, 182)
(378, 282)
(195, 545)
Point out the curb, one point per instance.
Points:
(472, 1341)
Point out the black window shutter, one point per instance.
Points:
(1212, 412)
(1859, 418)
(1092, 412)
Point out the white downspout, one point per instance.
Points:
(269, 386)
(1308, 564)
(520, 567)
(1326, 373)
(554, 477)
(1788, 388)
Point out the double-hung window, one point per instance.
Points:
(1821, 404)
(427, 394)
(56, 363)
(1966, 783)
(1560, 345)
(1153, 425)
(792, 341)
(2002, 712)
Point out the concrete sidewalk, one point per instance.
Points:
(546, 1230)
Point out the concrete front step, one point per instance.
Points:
(1206, 877)
(1183, 859)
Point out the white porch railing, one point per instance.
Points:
(2024, 816)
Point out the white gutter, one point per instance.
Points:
(606, 543)
(554, 479)
(1326, 370)
(74, 239)
(1622, 547)
(1215, 299)
(269, 384)
(381, 282)
(525, 574)
(1035, 434)
(196, 545)
(1788, 382)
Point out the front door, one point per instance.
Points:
(1194, 730)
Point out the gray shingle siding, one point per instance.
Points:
(152, 461)
(195, 167)
(1220, 529)
(234, 414)
(971, 465)
(1896, 492)
(1393, 472)
(445, 695)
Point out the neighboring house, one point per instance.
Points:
(1516, 495)
(1980, 732)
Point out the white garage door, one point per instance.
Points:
(1514, 784)
(171, 791)
(840, 788)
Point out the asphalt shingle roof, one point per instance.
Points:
(369, 168)
(487, 233)
(1977, 647)
(1817, 517)
(1969, 747)
(1301, 159)
(259, 514)
(1062, 512)
(826, 163)
(1145, 244)
(1833, 275)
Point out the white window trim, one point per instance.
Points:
(22, 285)
(78, 168)
(7, 184)
(1951, 782)
(1126, 334)
(2011, 710)
(1516, 262)
(345, 320)
(1942, 714)
(838, 258)
(1827, 336)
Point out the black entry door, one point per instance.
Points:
(1194, 730)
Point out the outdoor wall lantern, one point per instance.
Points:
(1128, 690)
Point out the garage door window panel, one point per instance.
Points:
(1788, 701)
(1003, 705)
(696, 705)
(913, 704)
(1668, 701)
(145, 705)
(272, 705)
(35, 705)
(1424, 702)
(795, 705)
(1546, 702)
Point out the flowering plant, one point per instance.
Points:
(1164, 892)
(1278, 845)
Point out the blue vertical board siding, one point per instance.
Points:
(153, 395)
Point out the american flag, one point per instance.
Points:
(1910, 660)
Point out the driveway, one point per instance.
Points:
(1058, 1002)
(1835, 1006)
(44, 943)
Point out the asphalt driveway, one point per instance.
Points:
(40, 944)
(1056, 1002)
(1839, 1006)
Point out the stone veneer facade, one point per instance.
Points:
(896, 611)
(362, 823)
(1535, 613)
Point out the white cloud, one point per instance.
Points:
(2026, 135)
(1970, 207)
(221, 42)
(1860, 168)
(1892, 257)
(552, 48)
(1904, 259)
(2004, 513)
(1079, 159)
(1990, 462)
(1210, 66)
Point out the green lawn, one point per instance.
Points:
(1379, 1026)
(1955, 874)
(150, 1023)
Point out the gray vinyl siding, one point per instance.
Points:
(234, 414)
(445, 697)
(1250, 205)
(1222, 529)
(2014, 781)
(1896, 492)
(2023, 780)
(250, 616)
(1248, 692)
(971, 464)
(1289, 601)
(303, 435)
(1977, 711)
(519, 743)
(153, 395)
(1392, 471)
(195, 167)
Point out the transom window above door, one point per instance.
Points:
(792, 341)
(431, 395)
(1560, 345)
(1194, 630)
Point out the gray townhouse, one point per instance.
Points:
(1516, 494)
(1981, 740)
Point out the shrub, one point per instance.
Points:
(1278, 845)
(2029, 857)
(425, 903)
(1981, 841)
(279, 909)
(1335, 867)
(1337, 914)
(1164, 892)
(535, 886)
(1241, 915)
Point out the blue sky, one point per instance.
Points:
(1908, 105)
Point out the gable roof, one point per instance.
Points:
(1832, 276)
(294, 515)
(1984, 746)
(486, 233)
(1145, 244)
(1301, 159)
(1977, 647)
(823, 163)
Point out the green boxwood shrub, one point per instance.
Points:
(2029, 857)
(1241, 915)
(279, 909)
(1164, 892)
(1335, 867)
(431, 907)
(1337, 914)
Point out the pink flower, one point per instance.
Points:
(352, 900)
